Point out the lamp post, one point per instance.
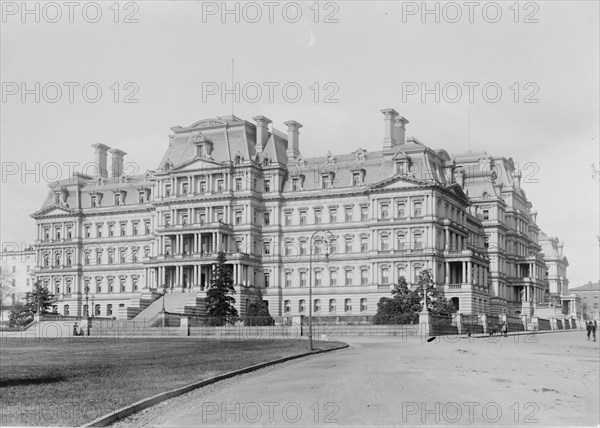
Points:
(164, 287)
(87, 309)
(92, 316)
(310, 273)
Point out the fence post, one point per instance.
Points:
(425, 323)
(459, 323)
(484, 321)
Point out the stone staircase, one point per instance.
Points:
(177, 303)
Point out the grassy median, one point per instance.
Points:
(71, 382)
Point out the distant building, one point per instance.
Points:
(590, 299)
(16, 276)
(225, 184)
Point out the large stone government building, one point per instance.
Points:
(245, 188)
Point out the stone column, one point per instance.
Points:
(464, 272)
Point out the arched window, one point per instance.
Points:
(109, 309)
(66, 310)
(456, 302)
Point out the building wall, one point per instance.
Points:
(16, 275)
(227, 184)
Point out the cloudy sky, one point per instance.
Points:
(525, 73)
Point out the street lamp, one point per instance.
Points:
(87, 308)
(93, 309)
(310, 273)
(164, 287)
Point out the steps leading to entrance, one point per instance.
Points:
(182, 303)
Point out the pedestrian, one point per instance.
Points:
(591, 329)
(504, 329)
(75, 330)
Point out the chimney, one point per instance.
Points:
(293, 150)
(116, 162)
(100, 159)
(389, 140)
(517, 179)
(262, 132)
(400, 128)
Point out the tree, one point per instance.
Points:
(402, 308)
(258, 313)
(405, 305)
(219, 299)
(39, 299)
(7, 284)
(19, 316)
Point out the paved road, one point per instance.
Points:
(547, 379)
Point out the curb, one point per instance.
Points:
(525, 333)
(109, 418)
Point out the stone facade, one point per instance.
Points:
(245, 188)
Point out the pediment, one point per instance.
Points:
(400, 182)
(195, 164)
(55, 210)
(208, 123)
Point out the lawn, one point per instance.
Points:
(71, 382)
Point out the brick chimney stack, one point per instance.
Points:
(293, 150)
(116, 162)
(100, 156)
(389, 139)
(262, 132)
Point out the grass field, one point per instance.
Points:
(71, 382)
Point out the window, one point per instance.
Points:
(486, 214)
(267, 279)
(301, 305)
(286, 306)
(333, 215)
(318, 278)
(348, 277)
(111, 230)
(385, 242)
(364, 277)
(97, 310)
(142, 197)
(134, 256)
(326, 181)
(99, 257)
(147, 227)
(185, 188)
(202, 186)
(400, 210)
(47, 232)
(135, 228)
(266, 247)
(86, 258)
(302, 279)
(69, 232)
(302, 217)
(238, 217)
(56, 259)
(318, 216)
(184, 219)
(364, 213)
(267, 219)
(348, 245)
(417, 209)
(57, 233)
(363, 304)
(98, 231)
(333, 278)
(288, 279)
(122, 285)
(364, 244)
(238, 183)
(418, 241)
(220, 185)
(385, 275)
(111, 257)
(122, 255)
(288, 218)
(295, 184)
(331, 305)
(348, 214)
(267, 185)
(123, 229)
(167, 190)
(110, 285)
(94, 200)
(302, 248)
(109, 309)
(347, 305)
(401, 242)
(317, 305)
(356, 179)
(385, 213)
(69, 259)
(66, 309)
(117, 199)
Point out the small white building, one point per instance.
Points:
(16, 275)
